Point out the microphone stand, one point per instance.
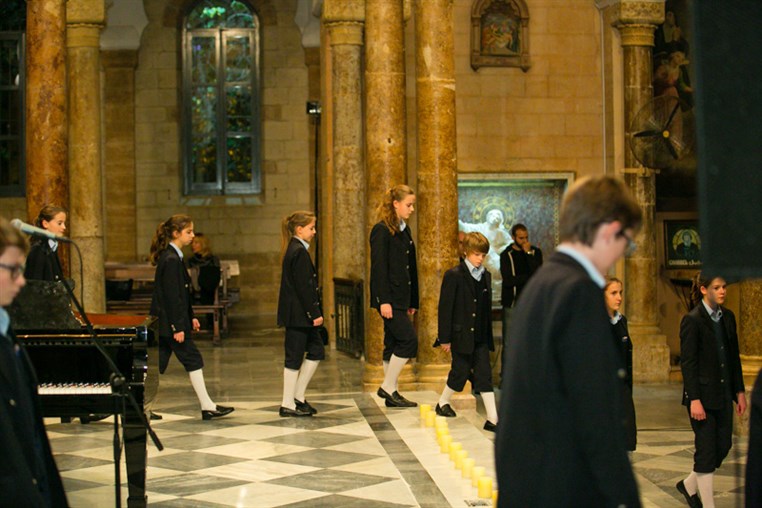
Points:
(119, 389)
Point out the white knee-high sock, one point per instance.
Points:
(691, 483)
(305, 374)
(447, 393)
(706, 488)
(386, 367)
(290, 377)
(489, 405)
(197, 380)
(393, 371)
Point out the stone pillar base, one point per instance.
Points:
(464, 399)
(650, 355)
(432, 376)
(373, 376)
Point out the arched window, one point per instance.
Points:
(221, 120)
(12, 84)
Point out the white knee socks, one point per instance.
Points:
(393, 371)
(691, 483)
(705, 488)
(197, 380)
(305, 374)
(489, 405)
(290, 377)
(447, 393)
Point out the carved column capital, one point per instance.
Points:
(649, 12)
(636, 34)
(343, 10)
(345, 33)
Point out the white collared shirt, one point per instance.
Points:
(716, 315)
(178, 249)
(5, 322)
(53, 244)
(403, 225)
(591, 270)
(476, 273)
(617, 317)
(303, 242)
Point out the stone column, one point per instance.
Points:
(119, 153)
(636, 23)
(437, 175)
(749, 341)
(385, 146)
(344, 22)
(47, 180)
(84, 20)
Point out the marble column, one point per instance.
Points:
(84, 20)
(437, 175)
(344, 22)
(385, 146)
(47, 180)
(749, 341)
(119, 153)
(636, 24)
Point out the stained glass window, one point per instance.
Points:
(221, 99)
(12, 26)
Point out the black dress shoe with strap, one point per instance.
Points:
(693, 501)
(445, 410)
(287, 411)
(305, 406)
(219, 411)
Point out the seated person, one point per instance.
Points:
(205, 271)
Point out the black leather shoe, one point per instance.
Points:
(490, 427)
(287, 411)
(220, 411)
(154, 416)
(693, 501)
(445, 410)
(305, 406)
(395, 399)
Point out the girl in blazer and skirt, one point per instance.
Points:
(394, 287)
(171, 302)
(300, 312)
(712, 381)
(43, 262)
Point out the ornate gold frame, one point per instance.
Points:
(517, 54)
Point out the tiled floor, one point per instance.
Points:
(354, 453)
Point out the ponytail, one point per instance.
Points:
(289, 224)
(164, 234)
(386, 212)
(699, 281)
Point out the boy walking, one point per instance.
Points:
(465, 327)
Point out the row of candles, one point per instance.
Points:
(458, 455)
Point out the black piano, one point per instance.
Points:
(74, 377)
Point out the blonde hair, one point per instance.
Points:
(386, 212)
(475, 242)
(206, 245)
(164, 234)
(288, 225)
(612, 280)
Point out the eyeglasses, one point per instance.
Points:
(16, 270)
(631, 245)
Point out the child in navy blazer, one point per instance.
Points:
(465, 327)
(300, 312)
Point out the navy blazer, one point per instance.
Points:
(171, 299)
(560, 440)
(459, 308)
(22, 470)
(702, 374)
(43, 263)
(299, 298)
(393, 269)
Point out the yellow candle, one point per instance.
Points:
(494, 499)
(440, 421)
(476, 473)
(460, 456)
(485, 487)
(454, 448)
(430, 418)
(444, 443)
(425, 409)
(442, 431)
(468, 467)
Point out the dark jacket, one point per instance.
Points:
(703, 376)
(624, 343)
(27, 478)
(206, 274)
(560, 440)
(299, 298)
(171, 300)
(516, 266)
(43, 263)
(460, 307)
(754, 460)
(393, 269)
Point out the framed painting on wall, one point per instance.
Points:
(682, 245)
(499, 34)
(491, 203)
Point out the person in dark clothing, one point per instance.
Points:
(712, 381)
(754, 459)
(205, 270)
(28, 473)
(465, 327)
(612, 292)
(559, 439)
(43, 262)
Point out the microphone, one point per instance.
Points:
(35, 231)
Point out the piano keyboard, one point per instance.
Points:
(74, 389)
